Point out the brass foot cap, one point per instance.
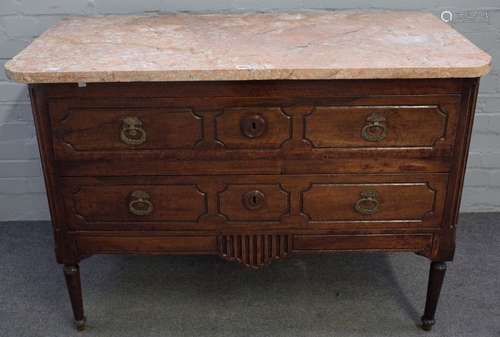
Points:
(80, 325)
(427, 324)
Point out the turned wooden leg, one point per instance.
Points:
(436, 276)
(72, 276)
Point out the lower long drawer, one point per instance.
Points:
(396, 242)
(157, 243)
(260, 202)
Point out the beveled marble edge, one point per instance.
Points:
(246, 75)
(477, 65)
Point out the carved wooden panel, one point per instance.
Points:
(124, 129)
(376, 126)
(254, 250)
(121, 205)
(253, 202)
(369, 201)
(253, 128)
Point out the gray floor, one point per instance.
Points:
(345, 294)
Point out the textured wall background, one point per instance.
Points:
(22, 194)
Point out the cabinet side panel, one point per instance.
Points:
(446, 242)
(40, 109)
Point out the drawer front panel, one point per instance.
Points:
(379, 126)
(108, 205)
(124, 129)
(253, 202)
(319, 135)
(253, 128)
(141, 244)
(373, 201)
(256, 202)
(415, 242)
(93, 243)
(369, 201)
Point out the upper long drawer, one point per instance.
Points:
(408, 126)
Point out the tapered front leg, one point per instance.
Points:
(436, 277)
(72, 276)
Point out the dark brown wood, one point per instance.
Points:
(64, 248)
(375, 242)
(359, 162)
(239, 89)
(436, 277)
(253, 202)
(72, 276)
(400, 126)
(104, 129)
(252, 128)
(106, 203)
(241, 169)
(446, 243)
(290, 129)
(90, 243)
(374, 201)
(284, 201)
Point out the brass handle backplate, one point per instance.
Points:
(376, 129)
(253, 200)
(368, 203)
(140, 203)
(132, 132)
(253, 126)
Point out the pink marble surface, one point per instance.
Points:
(298, 45)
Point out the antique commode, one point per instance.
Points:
(253, 136)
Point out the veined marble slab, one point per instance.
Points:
(257, 46)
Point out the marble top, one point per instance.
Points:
(253, 46)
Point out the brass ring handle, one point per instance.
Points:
(253, 126)
(132, 132)
(253, 200)
(375, 130)
(140, 204)
(368, 203)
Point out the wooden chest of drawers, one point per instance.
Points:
(254, 169)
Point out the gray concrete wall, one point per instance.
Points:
(22, 195)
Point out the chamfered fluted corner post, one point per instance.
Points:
(72, 276)
(436, 277)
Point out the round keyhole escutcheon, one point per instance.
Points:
(253, 126)
(253, 200)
